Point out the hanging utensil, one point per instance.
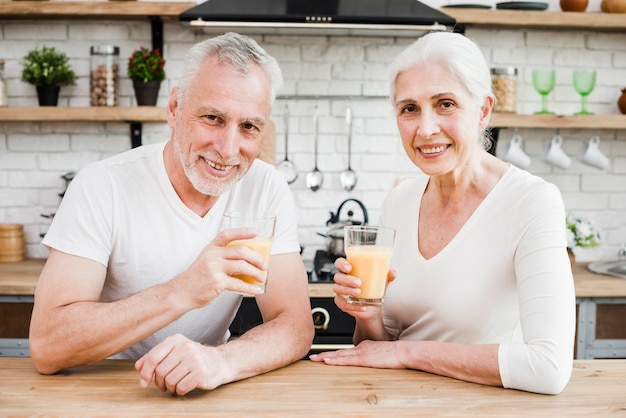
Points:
(348, 177)
(315, 178)
(286, 167)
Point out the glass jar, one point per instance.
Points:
(504, 81)
(4, 98)
(104, 78)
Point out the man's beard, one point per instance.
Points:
(207, 185)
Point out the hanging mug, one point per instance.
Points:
(554, 155)
(590, 154)
(514, 153)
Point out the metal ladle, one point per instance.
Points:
(315, 178)
(286, 167)
(348, 177)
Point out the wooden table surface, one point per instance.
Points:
(111, 388)
(21, 279)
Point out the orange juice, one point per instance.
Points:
(370, 263)
(260, 245)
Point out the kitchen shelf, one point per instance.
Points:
(158, 114)
(503, 120)
(537, 19)
(119, 10)
(87, 114)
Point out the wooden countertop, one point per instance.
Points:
(21, 279)
(111, 388)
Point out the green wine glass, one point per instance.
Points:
(584, 83)
(544, 81)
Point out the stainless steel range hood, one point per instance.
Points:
(319, 17)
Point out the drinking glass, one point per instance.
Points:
(544, 81)
(584, 83)
(262, 243)
(369, 249)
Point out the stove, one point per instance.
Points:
(323, 267)
(333, 327)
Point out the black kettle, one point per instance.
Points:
(334, 234)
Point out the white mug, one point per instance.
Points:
(590, 154)
(554, 155)
(514, 153)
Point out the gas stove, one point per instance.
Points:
(323, 267)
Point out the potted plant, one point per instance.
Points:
(581, 233)
(47, 69)
(146, 69)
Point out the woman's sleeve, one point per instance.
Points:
(543, 363)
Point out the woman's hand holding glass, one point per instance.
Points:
(347, 285)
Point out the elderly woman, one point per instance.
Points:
(481, 287)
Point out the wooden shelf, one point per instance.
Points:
(503, 120)
(538, 19)
(158, 114)
(87, 114)
(103, 10)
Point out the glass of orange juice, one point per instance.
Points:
(264, 224)
(368, 249)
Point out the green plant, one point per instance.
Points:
(47, 67)
(581, 232)
(146, 65)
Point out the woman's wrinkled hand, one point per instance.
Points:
(347, 285)
(376, 354)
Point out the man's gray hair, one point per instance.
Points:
(240, 51)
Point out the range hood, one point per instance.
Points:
(319, 17)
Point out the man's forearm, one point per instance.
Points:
(87, 332)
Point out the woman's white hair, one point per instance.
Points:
(461, 55)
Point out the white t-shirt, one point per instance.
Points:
(124, 213)
(505, 278)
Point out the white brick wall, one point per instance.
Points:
(33, 156)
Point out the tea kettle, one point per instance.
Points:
(334, 234)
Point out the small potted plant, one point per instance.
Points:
(146, 69)
(581, 233)
(47, 69)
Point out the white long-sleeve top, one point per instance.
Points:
(505, 278)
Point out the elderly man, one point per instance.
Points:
(139, 264)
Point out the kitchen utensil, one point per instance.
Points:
(468, 6)
(514, 153)
(315, 178)
(348, 177)
(591, 154)
(522, 5)
(574, 5)
(335, 233)
(584, 83)
(554, 155)
(286, 167)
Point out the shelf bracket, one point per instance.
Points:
(157, 33)
(135, 134)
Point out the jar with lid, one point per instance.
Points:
(504, 81)
(4, 98)
(104, 79)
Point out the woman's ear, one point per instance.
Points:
(485, 112)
